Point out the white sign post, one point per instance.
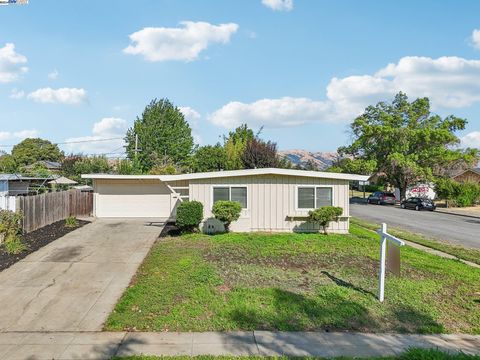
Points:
(384, 236)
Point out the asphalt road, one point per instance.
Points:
(455, 229)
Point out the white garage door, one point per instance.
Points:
(138, 198)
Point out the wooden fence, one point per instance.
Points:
(45, 209)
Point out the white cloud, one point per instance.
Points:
(17, 136)
(106, 128)
(110, 127)
(471, 140)
(53, 75)
(17, 94)
(181, 43)
(449, 82)
(475, 39)
(286, 111)
(193, 117)
(70, 96)
(12, 64)
(279, 5)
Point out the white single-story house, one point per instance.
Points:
(272, 199)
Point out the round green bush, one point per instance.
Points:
(324, 215)
(189, 215)
(227, 212)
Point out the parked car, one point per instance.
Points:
(418, 204)
(382, 197)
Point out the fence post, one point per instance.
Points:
(381, 274)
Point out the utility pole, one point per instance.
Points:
(136, 146)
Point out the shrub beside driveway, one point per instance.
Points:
(295, 282)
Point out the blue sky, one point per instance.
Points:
(83, 70)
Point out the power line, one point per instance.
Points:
(76, 142)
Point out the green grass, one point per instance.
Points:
(412, 354)
(460, 252)
(294, 282)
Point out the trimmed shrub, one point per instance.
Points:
(11, 230)
(227, 212)
(71, 222)
(189, 216)
(324, 215)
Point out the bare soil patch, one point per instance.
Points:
(36, 240)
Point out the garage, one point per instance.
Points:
(139, 198)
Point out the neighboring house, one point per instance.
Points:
(470, 175)
(272, 199)
(51, 166)
(15, 184)
(12, 185)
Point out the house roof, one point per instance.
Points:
(19, 177)
(474, 170)
(233, 173)
(62, 180)
(50, 165)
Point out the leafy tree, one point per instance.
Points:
(32, 150)
(354, 166)
(128, 167)
(227, 212)
(461, 194)
(260, 154)
(38, 169)
(324, 215)
(163, 133)
(209, 158)
(68, 166)
(74, 165)
(168, 169)
(92, 165)
(284, 163)
(235, 145)
(8, 164)
(310, 165)
(406, 141)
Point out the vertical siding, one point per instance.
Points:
(272, 200)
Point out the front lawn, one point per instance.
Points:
(295, 282)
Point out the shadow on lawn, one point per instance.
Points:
(346, 284)
(291, 311)
(330, 312)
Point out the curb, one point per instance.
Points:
(456, 214)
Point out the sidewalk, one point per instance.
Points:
(468, 212)
(104, 345)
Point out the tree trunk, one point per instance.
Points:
(403, 192)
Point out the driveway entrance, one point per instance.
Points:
(73, 283)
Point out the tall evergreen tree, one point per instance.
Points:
(163, 136)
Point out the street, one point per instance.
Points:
(458, 230)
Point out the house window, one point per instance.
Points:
(314, 197)
(231, 193)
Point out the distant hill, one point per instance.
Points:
(322, 160)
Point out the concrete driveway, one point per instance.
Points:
(73, 283)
